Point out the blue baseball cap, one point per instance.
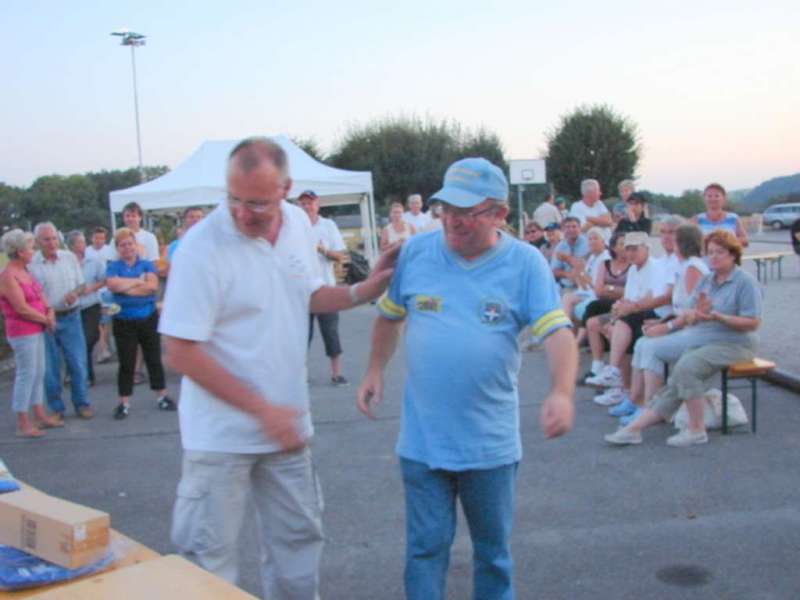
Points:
(470, 181)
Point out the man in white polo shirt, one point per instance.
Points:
(235, 321)
(414, 215)
(590, 210)
(330, 249)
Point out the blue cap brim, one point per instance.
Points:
(458, 197)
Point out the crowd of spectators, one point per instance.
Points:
(638, 310)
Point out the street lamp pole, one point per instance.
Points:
(132, 39)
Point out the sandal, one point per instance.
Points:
(33, 432)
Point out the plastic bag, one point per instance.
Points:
(712, 412)
(20, 570)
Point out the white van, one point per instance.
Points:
(778, 216)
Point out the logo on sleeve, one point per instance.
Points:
(428, 303)
(492, 311)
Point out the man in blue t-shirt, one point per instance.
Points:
(464, 294)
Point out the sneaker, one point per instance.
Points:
(628, 419)
(585, 376)
(623, 437)
(610, 398)
(339, 380)
(685, 438)
(609, 377)
(121, 412)
(623, 409)
(166, 403)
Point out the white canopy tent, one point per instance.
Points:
(200, 181)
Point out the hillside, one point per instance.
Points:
(777, 186)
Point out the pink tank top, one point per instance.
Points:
(16, 325)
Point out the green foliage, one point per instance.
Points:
(410, 155)
(592, 142)
(10, 201)
(310, 146)
(69, 201)
(688, 204)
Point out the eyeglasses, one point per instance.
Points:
(251, 205)
(464, 215)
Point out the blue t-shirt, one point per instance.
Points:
(460, 403)
(133, 307)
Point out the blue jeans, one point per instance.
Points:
(487, 499)
(67, 339)
(29, 373)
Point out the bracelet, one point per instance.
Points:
(353, 291)
(671, 325)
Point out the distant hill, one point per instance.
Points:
(777, 186)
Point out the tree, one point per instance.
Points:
(410, 155)
(593, 142)
(10, 200)
(310, 146)
(68, 201)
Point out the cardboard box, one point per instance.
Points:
(165, 578)
(65, 533)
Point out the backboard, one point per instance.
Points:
(523, 172)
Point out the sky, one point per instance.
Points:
(714, 87)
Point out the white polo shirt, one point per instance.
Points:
(581, 210)
(327, 233)
(653, 279)
(419, 221)
(247, 302)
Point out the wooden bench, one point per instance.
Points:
(768, 260)
(748, 369)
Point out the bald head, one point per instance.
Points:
(251, 153)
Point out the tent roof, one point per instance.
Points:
(200, 179)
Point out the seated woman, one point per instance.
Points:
(609, 286)
(534, 234)
(397, 230)
(719, 329)
(651, 351)
(135, 285)
(576, 301)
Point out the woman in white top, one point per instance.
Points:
(648, 371)
(575, 302)
(397, 230)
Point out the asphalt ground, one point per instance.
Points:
(591, 521)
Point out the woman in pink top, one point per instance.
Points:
(27, 315)
(397, 230)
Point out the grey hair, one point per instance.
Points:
(674, 221)
(627, 183)
(589, 183)
(597, 231)
(74, 235)
(413, 197)
(15, 240)
(39, 226)
(252, 152)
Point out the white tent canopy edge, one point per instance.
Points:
(200, 181)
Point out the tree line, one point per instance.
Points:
(406, 154)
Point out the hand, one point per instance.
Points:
(380, 275)
(51, 321)
(557, 416)
(70, 298)
(321, 249)
(278, 422)
(655, 329)
(562, 256)
(370, 393)
(703, 304)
